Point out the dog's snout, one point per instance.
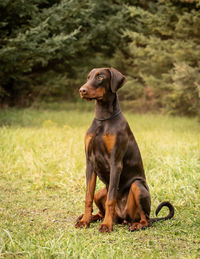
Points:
(83, 91)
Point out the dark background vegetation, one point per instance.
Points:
(48, 47)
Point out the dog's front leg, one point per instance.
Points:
(84, 221)
(107, 225)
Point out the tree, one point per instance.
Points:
(46, 47)
(164, 44)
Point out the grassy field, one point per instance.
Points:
(42, 187)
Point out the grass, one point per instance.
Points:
(42, 187)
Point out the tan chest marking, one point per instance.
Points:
(87, 141)
(109, 141)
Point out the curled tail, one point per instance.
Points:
(164, 204)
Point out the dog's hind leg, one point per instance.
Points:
(138, 206)
(100, 200)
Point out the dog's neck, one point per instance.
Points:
(105, 109)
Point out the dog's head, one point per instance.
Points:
(101, 82)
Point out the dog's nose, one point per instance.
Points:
(83, 91)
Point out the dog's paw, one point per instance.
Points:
(79, 218)
(96, 217)
(82, 224)
(137, 226)
(104, 228)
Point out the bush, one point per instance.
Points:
(163, 54)
(185, 97)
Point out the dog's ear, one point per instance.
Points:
(117, 79)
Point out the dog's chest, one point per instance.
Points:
(98, 149)
(98, 144)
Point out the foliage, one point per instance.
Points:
(48, 47)
(185, 98)
(57, 37)
(163, 54)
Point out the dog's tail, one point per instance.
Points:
(169, 216)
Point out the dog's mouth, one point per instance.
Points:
(87, 98)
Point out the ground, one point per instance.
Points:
(42, 187)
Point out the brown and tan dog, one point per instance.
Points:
(113, 155)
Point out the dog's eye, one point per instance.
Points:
(99, 77)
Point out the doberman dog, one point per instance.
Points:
(113, 155)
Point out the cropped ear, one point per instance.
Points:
(117, 79)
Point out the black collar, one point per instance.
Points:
(111, 117)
